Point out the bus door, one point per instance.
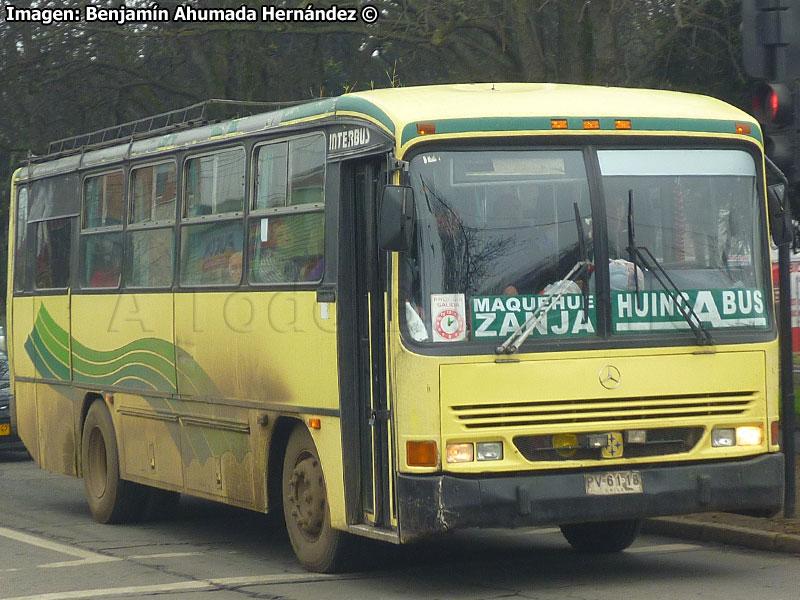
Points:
(361, 185)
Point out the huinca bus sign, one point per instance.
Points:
(656, 311)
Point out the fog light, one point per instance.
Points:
(723, 438)
(749, 436)
(598, 440)
(459, 453)
(637, 436)
(565, 444)
(489, 450)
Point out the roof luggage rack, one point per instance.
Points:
(201, 113)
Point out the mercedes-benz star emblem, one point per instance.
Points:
(610, 377)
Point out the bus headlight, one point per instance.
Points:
(458, 453)
(489, 450)
(723, 438)
(749, 436)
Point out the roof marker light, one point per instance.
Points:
(591, 124)
(426, 128)
(622, 123)
(743, 128)
(558, 124)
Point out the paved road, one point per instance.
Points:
(51, 548)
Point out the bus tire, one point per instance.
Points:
(602, 537)
(111, 499)
(316, 544)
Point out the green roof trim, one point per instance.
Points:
(311, 109)
(356, 104)
(638, 124)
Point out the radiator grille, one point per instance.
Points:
(621, 410)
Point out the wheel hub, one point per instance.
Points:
(307, 497)
(97, 469)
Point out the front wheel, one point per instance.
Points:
(111, 499)
(317, 545)
(602, 537)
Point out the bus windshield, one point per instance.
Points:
(499, 231)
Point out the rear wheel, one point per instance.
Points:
(111, 499)
(602, 537)
(317, 545)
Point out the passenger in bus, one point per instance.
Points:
(107, 268)
(312, 270)
(270, 264)
(235, 268)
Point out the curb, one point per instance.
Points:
(733, 535)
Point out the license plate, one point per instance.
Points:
(5, 429)
(618, 482)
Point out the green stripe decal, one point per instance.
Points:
(355, 104)
(143, 364)
(449, 126)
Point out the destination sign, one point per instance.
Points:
(656, 310)
(500, 316)
(497, 317)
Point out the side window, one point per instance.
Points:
(53, 250)
(153, 193)
(212, 235)
(214, 183)
(286, 226)
(101, 231)
(271, 175)
(102, 200)
(149, 240)
(20, 264)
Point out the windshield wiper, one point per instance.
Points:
(518, 337)
(583, 250)
(642, 255)
(580, 271)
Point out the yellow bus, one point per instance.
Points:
(400, 312)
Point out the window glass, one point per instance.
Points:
(149, 258)
(290, 173)
(271, 166)
(101, 260)
(211, 253)
(53, 242)
(287, 248)
(498, 234)
(697, 214)
(55, 197)
(307, 168)
(22, 229)
(102, 200)
(153, 193)
(215, 183)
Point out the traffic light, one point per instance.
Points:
(773, 106)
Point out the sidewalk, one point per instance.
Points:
(777, 534)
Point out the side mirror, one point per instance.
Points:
(780, 219)
(396, 228)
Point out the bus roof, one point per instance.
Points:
(455, 110)
(477, 107)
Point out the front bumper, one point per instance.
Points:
(434, 504)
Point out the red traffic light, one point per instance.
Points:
(772, 104)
